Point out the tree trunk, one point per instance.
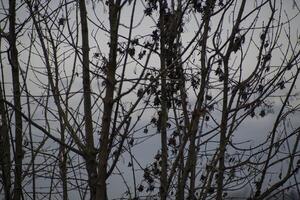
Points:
(224, 119)
(164, 110)
(89, 151)
(4, 149)
(13, 58)
(108, 100)
(63, 161)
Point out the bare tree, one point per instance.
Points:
(88, 86)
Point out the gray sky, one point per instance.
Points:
(255, 129)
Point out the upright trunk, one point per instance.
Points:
(89, 151)
(4, 149)
(222, 145)
(180, 187)
(224, 119)
(13, 58)
(199, 110)
(63, 161)
(164, 110)
(108, 100)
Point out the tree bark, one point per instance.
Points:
(4, 149)
(108, 100)
(13, 59)
(90, 149)
(164, 110)
(225, 108)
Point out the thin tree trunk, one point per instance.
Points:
(63, 161)
(13, 58)
(199, 110)
(108, 100)
(164, 110)
(4, 149)
(222, 145)
(180, 187)
(224, 119)
(90, 154)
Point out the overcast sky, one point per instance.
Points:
(254, 130)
